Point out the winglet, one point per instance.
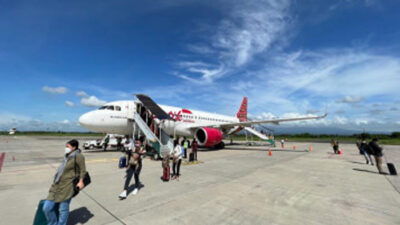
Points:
(242, 113)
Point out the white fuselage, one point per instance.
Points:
(114, 117)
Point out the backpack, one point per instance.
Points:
(369, 149)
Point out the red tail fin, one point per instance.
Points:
(242, 114)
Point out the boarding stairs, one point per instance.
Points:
(260, 135)
(162, 142)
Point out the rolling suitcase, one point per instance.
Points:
(166, 174)
(40, 218)
(392, 169)
(122, 162)
(191, 157)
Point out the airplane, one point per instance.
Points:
(208, 129)
(12, 131)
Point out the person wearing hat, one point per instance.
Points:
(62, 190)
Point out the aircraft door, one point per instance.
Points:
(131, 109)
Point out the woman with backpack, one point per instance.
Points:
(63, 189)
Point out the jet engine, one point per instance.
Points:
(208, 137)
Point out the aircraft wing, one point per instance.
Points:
(254, 122)
(273, 121)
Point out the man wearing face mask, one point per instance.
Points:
(62, 189)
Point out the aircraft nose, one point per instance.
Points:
(84, 120)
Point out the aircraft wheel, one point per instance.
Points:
(220, 145)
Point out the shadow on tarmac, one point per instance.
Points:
(263, 150)
(361, 163)
(100, 151)
(79, 216)
(362, 170)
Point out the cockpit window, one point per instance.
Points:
(117, 108)
(107, 107)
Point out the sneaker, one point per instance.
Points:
(134, 192)
(123, 194)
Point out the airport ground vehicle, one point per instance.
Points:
(92, 144)
(99, 143)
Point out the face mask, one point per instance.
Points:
(67, 150)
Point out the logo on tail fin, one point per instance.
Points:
(242, 114)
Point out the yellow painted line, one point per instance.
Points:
(104, 160)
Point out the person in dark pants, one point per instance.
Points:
(335, 145)
(378, 154)
(185, 147)
(119, 145)
(134, 169)
(176, 154)
(106, 141)
(367, 151)
(195, 147)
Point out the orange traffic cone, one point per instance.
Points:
(294, 147)
(310, 148)
(270, 153)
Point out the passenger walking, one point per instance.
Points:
(106, 141)
(361, 150)
(62, 190)
(129, 144)
(367, 152)
(134, 168)
(335, 145)
(177, 159)
(119, 145)
(195, 147)
(283, 143)
(378, 154)
(358, 144)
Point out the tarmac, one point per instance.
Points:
(238, 185)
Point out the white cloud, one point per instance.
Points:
(69, 104)
(249, 29)
(351, 99)
(266, 116)
(55, 90)
(82, 94)
(361, 121)
(26, 123)
(12, 118)
(65, 122)
(92, 101)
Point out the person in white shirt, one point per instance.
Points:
(176, 154)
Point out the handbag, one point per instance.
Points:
(86, 180)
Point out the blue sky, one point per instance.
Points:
(291, 58)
